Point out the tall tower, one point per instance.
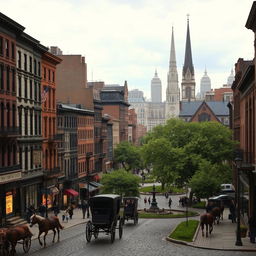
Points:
(188, 75)
(156, 89)
(172, 90)
(205, 85)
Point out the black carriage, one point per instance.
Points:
(105, 216)
(130, 209)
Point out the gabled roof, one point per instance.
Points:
(219, 108)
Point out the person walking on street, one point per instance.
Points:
(170, 202)
(232, 209)
(145, 201)
(84, 207)
(252, 228)
(149, 200)
(56, 210)
(70, 211)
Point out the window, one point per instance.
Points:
(26, 158)
(44, 73)
(19, 81)
(39, 68)
(8, 114)
(13, 51)
(49, 75)
(6, 47)
(35, 91)
(20, 121)
(1, 46)
(13, 115)
(35, 68)
(25, 62)
(53, 76)
(30, 64)
(13, 81)
(1, 76)
(31, 158)
(26, 122)
(31, 89)
(39, 92)
(204, 117)
(26, 87)
(8, 78)
(31, 122)
(19, 59)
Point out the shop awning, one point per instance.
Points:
(71, 192)
(95, 184)
(84, 186)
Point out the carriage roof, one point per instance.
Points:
(110, 196)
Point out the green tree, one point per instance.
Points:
(128, 155)
(120, 182)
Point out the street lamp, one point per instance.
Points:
(238, 163)
(88, 156)
(186, 204)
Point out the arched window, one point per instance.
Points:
(188, 92)
(204, 117)
(8, 114)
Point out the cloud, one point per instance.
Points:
(128, 39)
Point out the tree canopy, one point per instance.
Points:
(121, 182)
(128, 155)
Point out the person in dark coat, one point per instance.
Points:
(84, 206)
(70, 211)
(170, 202)
(232, 209)
(252, 228)
(56, 210)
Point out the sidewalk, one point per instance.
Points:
(223, 237)
(76, 220)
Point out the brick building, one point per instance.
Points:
(132, 126)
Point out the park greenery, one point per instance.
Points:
(183, 154)
(160, 189)
(185, 231)
(120, 182)
(152, 215)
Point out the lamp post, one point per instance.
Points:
(186, 204)
(88, 156)
(238, 163)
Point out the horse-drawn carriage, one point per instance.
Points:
(9, 237)
(130, 209)
(105, 211)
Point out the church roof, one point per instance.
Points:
(188, 63)
(219, 108)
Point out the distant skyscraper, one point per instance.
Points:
(156, 89)
(172, 90)
(188, 75)
(205, 85)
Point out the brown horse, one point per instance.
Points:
(4, 244)
(14, 234)
(45, 225)
(207, 220)
(217, 213)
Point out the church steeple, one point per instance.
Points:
(188, 63)
(188, 80)
(172, 90)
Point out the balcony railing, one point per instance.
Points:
(9, 131)
(10, 168)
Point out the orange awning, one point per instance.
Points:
(71, 192)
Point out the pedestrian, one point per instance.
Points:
(145, 201)
(70, 211)
(42, 210)
(232, 209)
(149, 200)
(66, 214)
(56, 210)
(63, 214)
(252, 228)
(84, 206)
(170, 202)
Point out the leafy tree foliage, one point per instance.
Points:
(121, 182)
(128, 155)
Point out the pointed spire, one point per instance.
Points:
(156, 73)
(188, 63)
(172, 62)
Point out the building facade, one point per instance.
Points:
(156, 89)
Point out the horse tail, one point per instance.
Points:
(58, 222)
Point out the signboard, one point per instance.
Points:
(8, 203)
(37, 157)
(10, 177)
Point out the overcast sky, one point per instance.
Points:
(129, 39)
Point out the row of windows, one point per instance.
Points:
(49, 102)
(49, 126)
(82, 166)
(49, 75)
(29, 64)
(27, 158)
(29, 90)
(7, 115)
(8, 155)
(85, 134)
(70, 167)
(50, 160)
(83, 121)
(67, 122)
(84, 148)
(29, 121)
(7, 48)
(7, 78)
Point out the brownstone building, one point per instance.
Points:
(132, 126)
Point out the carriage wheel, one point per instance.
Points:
(88, 231)
(96, 233)
(136, 219)
(121, 228)
(26, 244)
(113, 232)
